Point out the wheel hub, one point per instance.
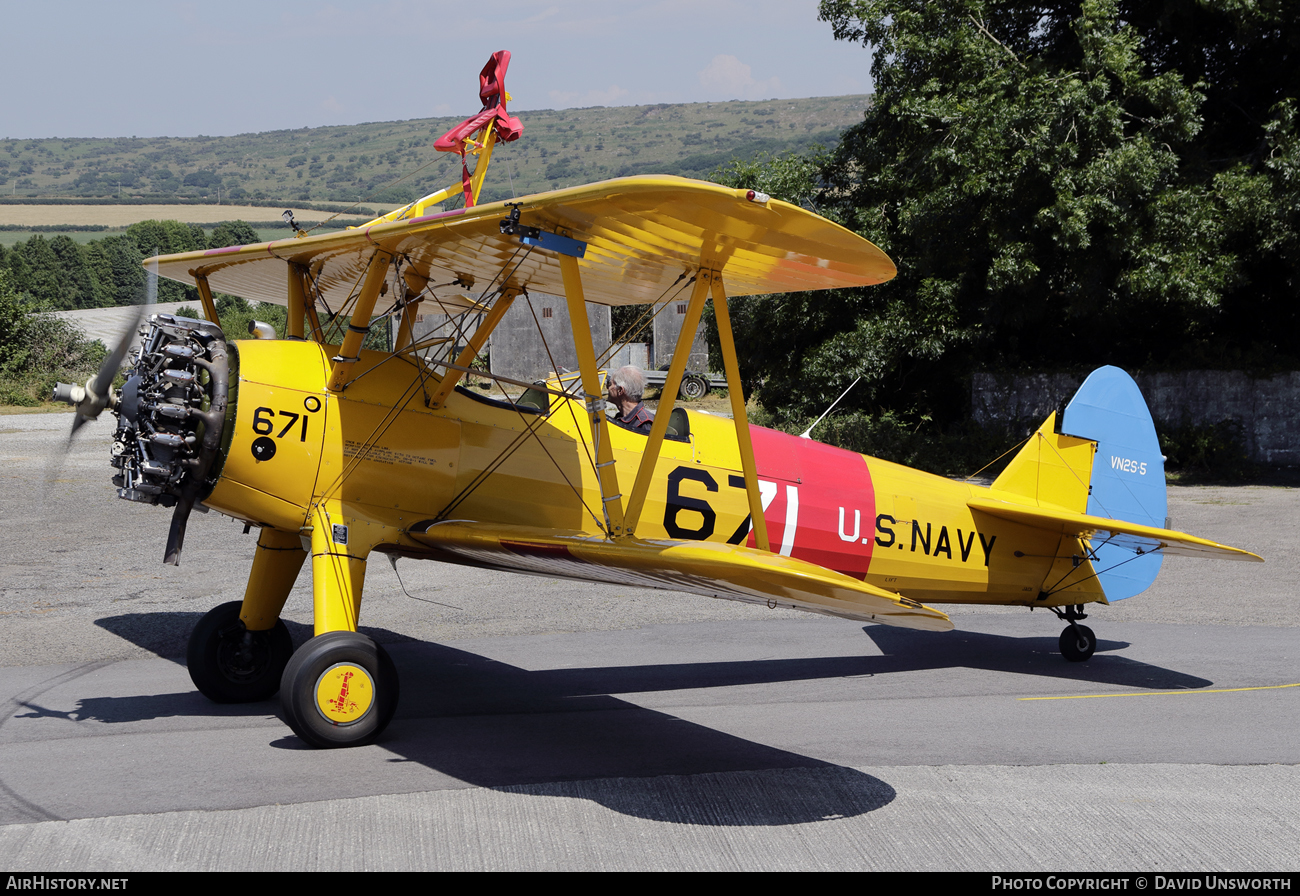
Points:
(241, 656)
(345, 694)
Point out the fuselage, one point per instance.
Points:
(392, 462)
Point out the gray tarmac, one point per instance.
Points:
(556, 725)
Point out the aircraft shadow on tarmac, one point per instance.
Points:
(493, 724)
(496, 725)
(905, 650)
(908, 650)
(168, 634)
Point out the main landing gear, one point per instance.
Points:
(1077, 642)
(230, 664)
(339, 690)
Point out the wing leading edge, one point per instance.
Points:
(698, 567)
(641, 235)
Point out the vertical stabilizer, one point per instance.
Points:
(1052, 468)
(1100, 456)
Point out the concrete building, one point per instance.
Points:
(667, 328)
(517, 351)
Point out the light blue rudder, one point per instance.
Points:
(1128, 476)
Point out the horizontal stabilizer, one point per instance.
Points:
(698, 567)
(1134, 536)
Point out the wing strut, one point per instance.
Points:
(706, 282)
(205, 295)
(350, 350)
(474, 345)
(668, 395)
(731, 366)
(407, 326)
(606, 474)
(297, 303)
(414, 283)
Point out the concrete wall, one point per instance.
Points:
(108, 324)
(667, 327)
(635, 353)
(430, 323)
(1267, 409)
(518, 351)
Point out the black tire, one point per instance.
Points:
(227, 667)
(694, 387)
(343, 654)
(1078, 643)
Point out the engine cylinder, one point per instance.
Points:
(172, 412)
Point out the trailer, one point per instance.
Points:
(695, 384)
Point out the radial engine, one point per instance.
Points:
(173, 412)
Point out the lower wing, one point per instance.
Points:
(698, 567)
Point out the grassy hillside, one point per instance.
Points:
(364, 162)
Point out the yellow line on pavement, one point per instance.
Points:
(1267, 687)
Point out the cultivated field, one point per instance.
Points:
(126, 215)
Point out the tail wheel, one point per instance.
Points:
(339, 690)
(230, 664)
(1078, 643)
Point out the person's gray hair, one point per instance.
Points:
(631, 380)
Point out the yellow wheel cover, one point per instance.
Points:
(344, 694)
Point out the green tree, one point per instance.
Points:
(38, 349)
(166, 238)
(236, 314)
(118, 265)
(14, 313)
(233, 233)
(76, 277)
(36, 272)
(1055, 192)
(56, 273)
(791, 176)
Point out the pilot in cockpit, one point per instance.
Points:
(624, 387)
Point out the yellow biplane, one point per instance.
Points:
(336, 453)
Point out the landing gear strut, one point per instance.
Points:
(1077, 642)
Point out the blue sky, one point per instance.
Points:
(96, 69)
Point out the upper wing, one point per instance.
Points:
(642, 234)
(700, 567)
(1141, 539)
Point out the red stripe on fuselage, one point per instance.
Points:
(834, 503)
